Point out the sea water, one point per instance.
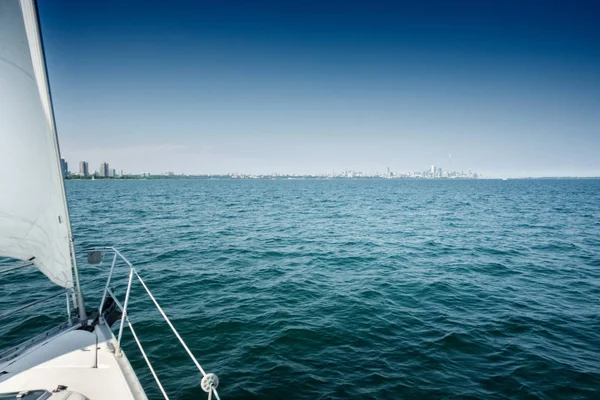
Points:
(337, 289)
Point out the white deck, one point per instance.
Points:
(72, 359)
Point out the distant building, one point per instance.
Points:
(113, 172)
(104, 170)
(84, 168)
(433, 169)
(64, 166)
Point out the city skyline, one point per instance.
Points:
(434, 171)
(104, 171)
(509, 89)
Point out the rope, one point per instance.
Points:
(146, 358)
(174, 331)
(12, 268)
(14, 310)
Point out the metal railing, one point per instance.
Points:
(15, 351)
(209, 381)
(68, 292)
(36, 302)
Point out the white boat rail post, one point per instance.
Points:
(112, 267)
(124, 314)
(209, 382)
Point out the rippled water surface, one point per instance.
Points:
(350, 289)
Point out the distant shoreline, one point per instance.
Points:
(314, 178)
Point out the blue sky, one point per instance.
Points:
(508, 88)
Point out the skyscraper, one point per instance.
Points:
(104, 170)
(64, 166)
(84, 169)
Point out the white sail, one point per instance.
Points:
(34, 222)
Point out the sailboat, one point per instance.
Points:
(80, 358)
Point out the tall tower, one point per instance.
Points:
(84, 169)
(64, 166)
(104, 170)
